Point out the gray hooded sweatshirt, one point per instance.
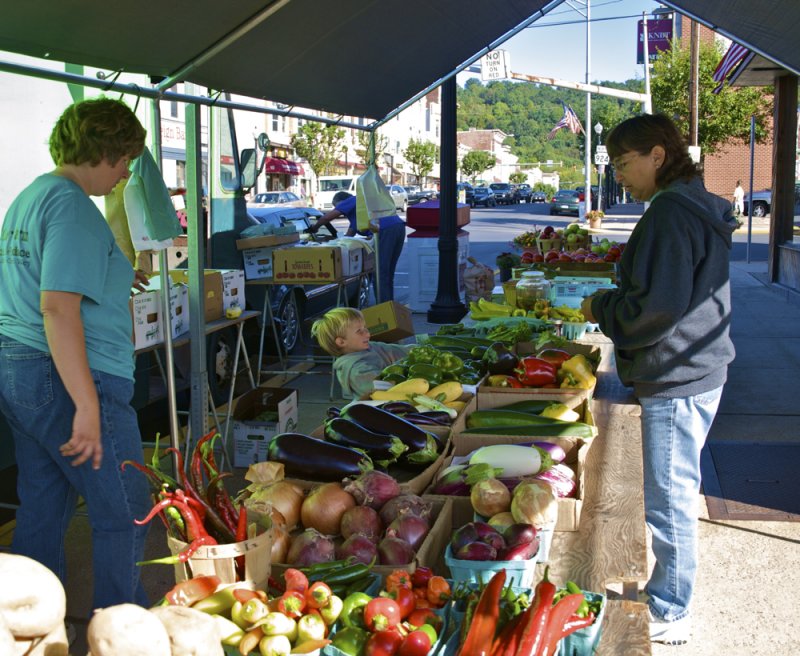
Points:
(356, 371)
(670, 317)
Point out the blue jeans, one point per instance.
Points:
(390, 245)
(673, 434)
(40, 412)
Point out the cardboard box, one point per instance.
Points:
(251, 435)
(307, 264)
(352, 258)
(179, 306)
(258, 262)
(212, 287)
(389, 321)
(232, 288)
(146, 310)
(266, 240)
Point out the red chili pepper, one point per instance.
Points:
(190, 591)
(420, 576)
(536, 620)
(559, 616)
(507, 641)
(484, 622)
(576, 623)
(534, 372)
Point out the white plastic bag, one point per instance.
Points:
(373, 200)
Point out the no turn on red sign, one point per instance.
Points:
(494, 65)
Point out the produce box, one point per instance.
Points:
(388, 322)
(250, 434)
(146, 311)
(179, 305)
(232, 288)
(266, 241)
(220, 559)
(212, 289)
(307, 264)
(489, 398)
(589, 269)
(257, 254)
(573, 348)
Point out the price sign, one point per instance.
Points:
(494, 65)
(601, 158)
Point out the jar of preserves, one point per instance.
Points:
(532, 287)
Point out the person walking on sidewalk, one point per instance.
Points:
(738, 199)
(669, 320)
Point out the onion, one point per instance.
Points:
(534, 503)
(361, 520)
(310, 547)
(410, 528)
(405, 504)
(285, 497)
(280, 545)
(394, 551)
(490, 497)
(359, 547)
(324, 507)
(501, 521)
(373, 489)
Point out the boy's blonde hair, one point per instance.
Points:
(334, 324)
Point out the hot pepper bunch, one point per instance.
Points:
(196, 508)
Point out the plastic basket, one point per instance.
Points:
(545, 542)
(585, 641)
(519, 573)
(575, 330)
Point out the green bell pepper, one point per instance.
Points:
(394, 369)
(352, 614)
(424, 354)
(448, 363)
(426, 371)
(350, 640)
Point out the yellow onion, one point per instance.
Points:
(280, 544)
(323, 508)
(490, 497)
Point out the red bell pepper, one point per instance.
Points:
(535, 372)
(554, 356)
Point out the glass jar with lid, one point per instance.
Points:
(532, 287)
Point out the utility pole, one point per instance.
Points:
(694, 84)
(587, 129)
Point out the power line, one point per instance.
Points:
(582, 21)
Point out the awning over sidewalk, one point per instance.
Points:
(278, 165)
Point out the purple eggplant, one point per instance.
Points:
(464, 536)
(377, 445)
(476, 551)
(520, 534)
(317, 460)
(495, 541)
(524, 551)
(398, 407)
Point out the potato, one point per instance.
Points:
(191, 632)
(127, 630)
(54, 643)
(32, 599)
(6, 637)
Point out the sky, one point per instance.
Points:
(555, 45)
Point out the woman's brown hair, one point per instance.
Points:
(641, 134)
(90, 130)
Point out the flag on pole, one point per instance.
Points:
(569, 120)
(730, 60)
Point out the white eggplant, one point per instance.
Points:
(513, 459)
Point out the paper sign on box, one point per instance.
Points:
(251, 435)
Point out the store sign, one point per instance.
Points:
(659, 32)
(494, 65)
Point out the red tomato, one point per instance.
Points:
(420, 577)
(381, 614)
(425, 616)
(383, 643)
(416, 643)
(295, 580)
(405, 600)
(193, 590)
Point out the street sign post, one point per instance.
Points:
(601, 159)
(495, 65)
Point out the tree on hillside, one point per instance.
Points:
(362, 149)
(723, 117)
(518, 177)
(476, 162)
(421, 155)
(320, 145)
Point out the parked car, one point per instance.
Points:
(538, 197)
(503, 193)
(565, 202)
(294, 306)
(762, 201)
(483, 196)
(418, 195)
(523, 192)
(400, 196)
(278, 199)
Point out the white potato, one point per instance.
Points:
(191, 632)
(32, 599)
(127, 630)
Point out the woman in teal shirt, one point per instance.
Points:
(66, 353)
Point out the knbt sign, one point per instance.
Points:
(494, 65)
(659, 37)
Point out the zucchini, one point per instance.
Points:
(467, 343)
(486, 418)
(558, 429)
(534, 406)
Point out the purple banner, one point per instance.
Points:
(660, 37)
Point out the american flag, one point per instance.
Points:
(569, 120)
(730, 60)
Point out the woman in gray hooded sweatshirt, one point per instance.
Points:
(669, 320)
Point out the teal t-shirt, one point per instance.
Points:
(54, 238)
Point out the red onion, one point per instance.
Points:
(405, 504)
(394, 551)
(310, 547)
(361, 548)
(373, 489)
(410, 528)
(362, 520)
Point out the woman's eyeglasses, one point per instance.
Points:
(621, 164)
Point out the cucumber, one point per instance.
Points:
(533, 406)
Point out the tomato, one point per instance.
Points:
(421, 576)
(416, 643)
(425, 616)
(295, 580)
(193, 590)
(383, 643)
(292, 603)
(438, 591)
(381, 613)
(405, 600)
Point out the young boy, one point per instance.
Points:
(343, 333)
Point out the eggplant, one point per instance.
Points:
(476, 551)
(499, 359)
(524, 551)
(332, 412)
(423, 446)
(398, 407)
(317, 460)
(377, 445)
(432, 418)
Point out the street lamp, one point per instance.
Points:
(598, 128)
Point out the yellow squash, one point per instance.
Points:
(402, 391)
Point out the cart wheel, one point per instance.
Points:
(219, 352)
(288, 319)
(360, 299)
